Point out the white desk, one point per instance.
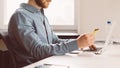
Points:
(109, 59)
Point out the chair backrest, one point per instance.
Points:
(5, 38)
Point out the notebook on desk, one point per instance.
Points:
(51, 66)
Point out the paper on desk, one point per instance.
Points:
(55, 66)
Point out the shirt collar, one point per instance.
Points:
(29, 8)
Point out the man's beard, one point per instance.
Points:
(40, 3)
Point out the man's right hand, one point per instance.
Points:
(85, 40)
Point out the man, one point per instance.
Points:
(32, 37)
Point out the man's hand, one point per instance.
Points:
(85, 40)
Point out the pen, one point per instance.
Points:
(95, 31)
(57, 65)
(92, 47)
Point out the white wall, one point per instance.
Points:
(95, 13)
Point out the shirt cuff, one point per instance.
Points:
(73, 45)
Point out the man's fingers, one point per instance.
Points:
(92, 48)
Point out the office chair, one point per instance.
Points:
(11, 62)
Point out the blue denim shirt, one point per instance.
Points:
(33, 38)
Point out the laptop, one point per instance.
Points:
(106, 43)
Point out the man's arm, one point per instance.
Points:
(32, 43)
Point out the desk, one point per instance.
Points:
(109, 59)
